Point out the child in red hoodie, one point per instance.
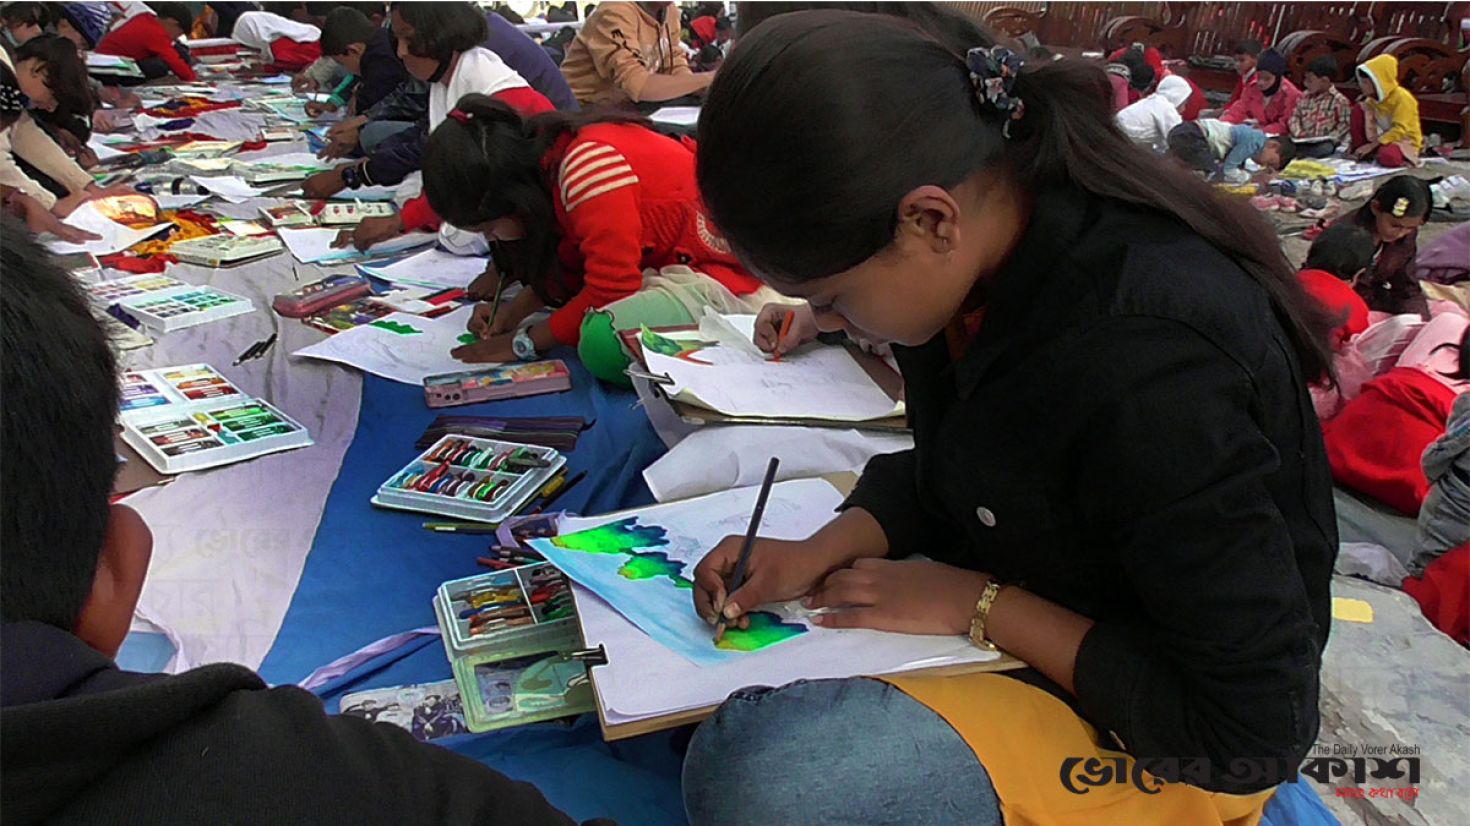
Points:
(148, 32)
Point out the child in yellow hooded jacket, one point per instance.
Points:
(1388, 131)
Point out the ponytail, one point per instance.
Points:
(484, 162)
(828, 118)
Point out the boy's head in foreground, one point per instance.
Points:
(69, 559)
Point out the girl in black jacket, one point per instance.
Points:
(1117, 475)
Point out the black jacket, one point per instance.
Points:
(83, 742)
(382, 71)
(1129, 435)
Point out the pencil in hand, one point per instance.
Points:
(784, 332)
(738, 578)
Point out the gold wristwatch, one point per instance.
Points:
(982, 613)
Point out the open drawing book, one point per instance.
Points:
(663, 668)
(722, 371)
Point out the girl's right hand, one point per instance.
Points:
(480, 320)
(770, 320)
(776, 572)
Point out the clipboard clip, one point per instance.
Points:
(588, 656)
(656, 378)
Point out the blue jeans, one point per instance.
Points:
(854, 751)
(375, 132)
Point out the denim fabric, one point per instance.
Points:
(854, 751)
(375, 132)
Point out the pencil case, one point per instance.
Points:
(320, 295)
(482, 480)
(510, 381)
(497, 693)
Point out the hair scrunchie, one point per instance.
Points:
(993, 71)
(460, 115)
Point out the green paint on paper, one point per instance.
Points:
(666, 346)
(467, 338)
(653, 564)
(396, 327)
(620, 537)
(765, 629)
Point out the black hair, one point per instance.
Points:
(1343, 249)
(1413, 190)
(26, 13)
(805, 118)
(490, 168)
(722, 23)
(56, 426)
(1462, 369)
(177, 12)
(1141, 76)
(320, 9)
(954, 30)
(66, 74)
(442, 30)
(1323, 66)
(1250, 46)
(1285, 147)
(343, 27)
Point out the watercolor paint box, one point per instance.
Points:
(334, 214)
(293, 214)
(226, 250)
(191, 417)
(104, 294)
(176, 309)
(510, 381)
(483, 480)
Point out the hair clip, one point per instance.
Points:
(993, 72)
(460, 115)
(1400, 207)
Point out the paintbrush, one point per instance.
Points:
(738, 578)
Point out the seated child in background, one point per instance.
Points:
(1247, 52)
(1196, 102)
(23, 21)
(1322, 121)
(1267, 102)
(1214, 146)
(630, 53)
(367, 52)
(1393, 216)
(1339, 257)
(1149, 121)
(85, 742)
(15, 186)
(287, 45)
(83, 23)
(36, 175)
(149, 33)
(1386, 127)
(439, 45)
(598, 216)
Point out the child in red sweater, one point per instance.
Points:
(145, 32)
(603, 215)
